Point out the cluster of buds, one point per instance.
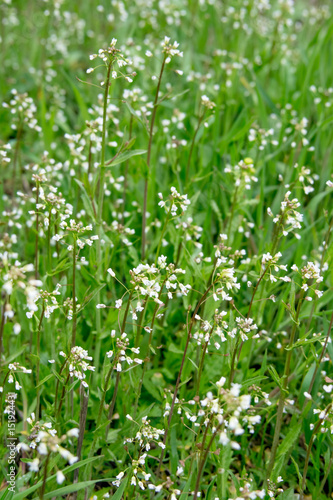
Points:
(23, 110)
(243, 173)
(245, 328)
(289, 219)
(226, 279)
(311, 276)
(122, 350)
(144, 438)
(75, 228)
(170, 49)
(262, 137)
(112, 55)
(77, 365)
(43, 438)
(49, 299)
(270, 263)
(176, 201)
(209, 330)
(207, 103)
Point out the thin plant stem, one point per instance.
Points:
(157, 306)
(115, 391)
(101, 406)
(37, 227)
(203, 461)
(151, 130)
(201, 117)
(180, 373)
(308, 451)
(240, 345)
(140, 324)
(100, 215)
(203, 355)
(84, 398)
(38, 362)
(322, 484)
(16, 153)
(49, 251)
(2, 325)
(126, 172)
(328, 335)
(42, 490)
(57, 384)
(322, 260)
(62, 397)
(113, 402)
(74, 295)
(162, 234)
(282, 398)
(233, 205)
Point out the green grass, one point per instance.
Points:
(223, 410)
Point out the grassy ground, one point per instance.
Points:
(166, 249)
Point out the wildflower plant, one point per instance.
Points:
(166, 250)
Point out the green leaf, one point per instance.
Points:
(74, 487)
(306, 341)
(285, 448)
(62, 266)
(86, 200)
(125, 156)
(175, 349)
(275, 376)
(119, 493)
(44, 380)
(287, 495)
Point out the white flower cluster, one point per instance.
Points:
(4, 154)
(144, 438)
(23, 110)
(176, 201)
(170, 49)
(112, 55)
(14, 368)
(43, 438)
(77, 365)
(243, 173)
(289, 219)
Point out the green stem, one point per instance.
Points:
(100, 217)
(42, 490)
(140, 323)
(126, 172)
(145, 195)
(203, 355)
(233, 205)
(203, 461)
(162, 233)
(308, 451)
(37, 225)
(74, 295)
(279, 417)
(62, 396)
(3, 318)
(180, 373)
(38, 362)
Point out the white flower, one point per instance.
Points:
(73, 433)
(111, 273)
(33, 466)
(60, 477)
